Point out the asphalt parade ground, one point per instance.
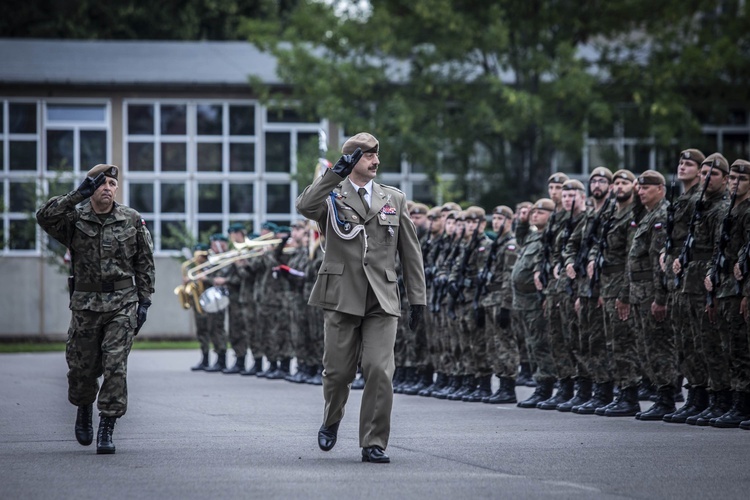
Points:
(213, 436)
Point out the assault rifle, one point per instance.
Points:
(483, 279)
(744, 263)
(547, 241)
(603, 245)
(720, 263)
(589, 238)
(440, 285)
(567, 233)
(456, 288)
(669, 226)
(686, 254)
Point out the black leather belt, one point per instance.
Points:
(105, 287)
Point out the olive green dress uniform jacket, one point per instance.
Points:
(347, 270)
(108, 252)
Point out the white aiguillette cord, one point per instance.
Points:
(334, 222)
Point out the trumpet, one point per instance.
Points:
(188, 294)
(247, 250)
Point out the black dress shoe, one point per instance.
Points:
(375, 454)
(327, 436)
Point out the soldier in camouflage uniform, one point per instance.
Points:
(502, 347)
(462, 284)
(648, 295)
(527, 301)
(722, 283)
(612, 248)
(110, 293)
(690, 362)
(521, 230)
(592, 342)
(714, 170)
(314, 315)
(216, 323)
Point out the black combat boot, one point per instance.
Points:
(221, 363)
(239, 367)
(398, 376)
(664, 404)
(468, 385)
(738, 413)
(646, 390)
(441, 381)
(84, 425)
(299, 376)
(257, 367)
(316, 377)
(409, 378)
(482, 391)
(281, 371)
(601, 398)
(698, 400)
(583, 394)
(104, 444)
(542, 392)
(625, 405)
(524, 376)
(505, 394)
(424, 381)
(272, 367)
(564, 393)
(454, 382)
(202, 365)
(722, 403)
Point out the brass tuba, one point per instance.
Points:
(188, 294)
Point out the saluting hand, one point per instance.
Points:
(346, 163)
(90, 185)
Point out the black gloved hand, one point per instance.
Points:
(140, 315)
(503, 318)
(346, 163)
(415, 317)
(479, 317)
(89, 185)
(453, 289)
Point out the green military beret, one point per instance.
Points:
(270, 226)
(283, 229)
(366, 142)
(252, 236)
(651, 178)
(236, 227)
(218, 237)
(107, 170)
(200, 247)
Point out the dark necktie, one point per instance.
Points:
(362, 192)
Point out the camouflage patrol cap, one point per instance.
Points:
(219, 237)
(434, 212)
(557, 178)
(623, 174)
(364, 141)
(695, 155)
(503, 210)
(108, 170)
(601, 172)
(718, 161)
(236, 228)
(450, 206)
(651, 178)
(544, 204)
(418, 208)
(573, 184)
(740, 166)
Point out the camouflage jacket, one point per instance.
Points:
(738, 237)
(683, 210)
(613, 282)
(474, 262)
(525, 296)
(574, 246)
(644, 272)
(102, 252)
(499, 289)
(550, 245)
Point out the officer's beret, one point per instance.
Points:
(200, 247)
(557, 178)
(434, 212)
(218, 237)
(695, 155)
(108, 170)
(623, 174)
(450, 206)
(718, 161)
(651, 178)
(418, 208)
(236, 227)
(503, 210)
(740, 166)
(364, 141)
(601, 172)
(269, 226)
(573, 184)
(544, 204)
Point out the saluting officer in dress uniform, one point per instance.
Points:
(366, 225)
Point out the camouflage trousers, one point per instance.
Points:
(715, 354)
(209, 329)
(515, 325)
(451, 354)
(237, 327)
(660, 361)
(502, 347)
(594, 340)
(404, 350)
(623, 346)
(300, 335)
(734, 337)
(433, 339)
(315, 322)
(98, 346)
(687, 309)
(534, 325)
(557, 337)
(571, 327)
(473, 342)
(274, 342)
(250, 311)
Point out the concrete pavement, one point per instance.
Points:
(198, 435)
